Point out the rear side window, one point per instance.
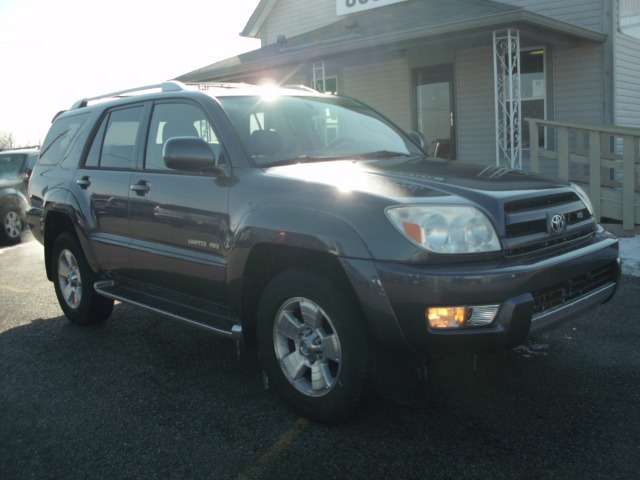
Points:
(61, 136)
(10, 166)
(33, 159)
(114, 144)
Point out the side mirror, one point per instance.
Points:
(418, 138)
(190, 154)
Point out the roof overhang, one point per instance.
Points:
(534, 28)
(258, 17)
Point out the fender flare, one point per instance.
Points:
(61, 201)
(14, 197)
(290, 226)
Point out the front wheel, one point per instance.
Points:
(73, 281)
(313, 345)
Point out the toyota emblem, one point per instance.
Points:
(557, 223)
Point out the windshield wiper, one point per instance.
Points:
(331, 158)
(385, 154)
(310, 159)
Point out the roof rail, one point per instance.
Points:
(169, 86)
(229, 85)
(304, 88)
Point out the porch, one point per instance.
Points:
(604, 160)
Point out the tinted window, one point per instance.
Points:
(10, 166)
(33, 159)
(114, 144)
(61, 136)
(285, 129)
(176, 120)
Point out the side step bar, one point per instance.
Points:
(159, 302)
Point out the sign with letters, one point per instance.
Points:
(345, 7)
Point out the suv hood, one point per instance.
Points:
(412, 178)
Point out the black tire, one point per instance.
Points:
(73, 281)
(319, 362)
(12, 225)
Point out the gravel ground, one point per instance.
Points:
(143, 397)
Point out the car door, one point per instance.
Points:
(179, 221)
(101, 183)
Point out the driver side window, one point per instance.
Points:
(171, 120)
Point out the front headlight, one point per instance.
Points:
(445, 229)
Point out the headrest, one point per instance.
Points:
(178, 129)
(265, 142)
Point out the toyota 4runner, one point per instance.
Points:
(309, 225)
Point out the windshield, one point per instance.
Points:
(291, 129)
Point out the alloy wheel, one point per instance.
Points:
(69, 278)
(307, 347)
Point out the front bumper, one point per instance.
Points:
(533, 297)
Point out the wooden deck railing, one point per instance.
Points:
(604, 160)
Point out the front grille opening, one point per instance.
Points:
(552, 297)
(558, 245)
(528, 225)
(527, 228)
(541, 225)
(540, 202)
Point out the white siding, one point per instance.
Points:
(294, 17)
(476, 109)
(578, 84)
(627, 81)
(585, 13)
(385, 86)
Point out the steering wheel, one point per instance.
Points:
(338, 142)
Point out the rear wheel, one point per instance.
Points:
(313, 345)
(73, 281)
(12, 225)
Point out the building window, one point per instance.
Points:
(327, 85)
(532, 91)
(629, 18)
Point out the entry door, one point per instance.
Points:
(434, 112)
(179, 221)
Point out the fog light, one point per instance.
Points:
(447, 317)
(458, 317)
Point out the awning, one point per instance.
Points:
(463, 22)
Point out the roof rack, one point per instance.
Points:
(16, 149)
(169, 86)
(304, 88)
(229, 85)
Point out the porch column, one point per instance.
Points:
(508, 117)
(319, 76)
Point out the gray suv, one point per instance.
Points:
(309, 226)
(15, 169)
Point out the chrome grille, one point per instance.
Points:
(528, 225)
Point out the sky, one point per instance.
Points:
(54, 52)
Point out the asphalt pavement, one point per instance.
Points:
(144, 397)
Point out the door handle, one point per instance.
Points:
(84, 182)
(141, 188)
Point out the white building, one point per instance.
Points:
(462, 72)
